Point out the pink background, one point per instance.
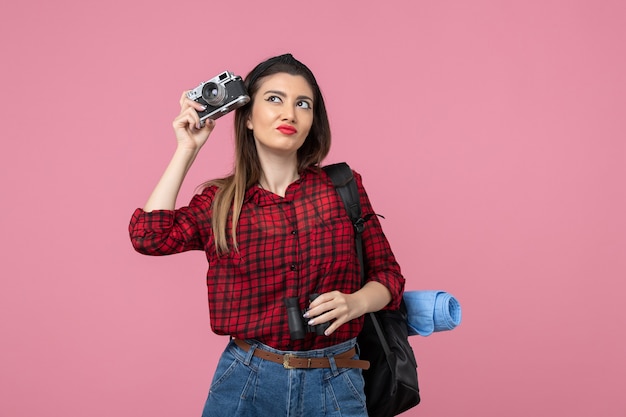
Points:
(490, 134)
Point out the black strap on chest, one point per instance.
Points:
(345, 184)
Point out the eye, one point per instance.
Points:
(273, 99)
(304, 104)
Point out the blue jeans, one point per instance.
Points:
(244, 385)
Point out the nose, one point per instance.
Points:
(289, 113)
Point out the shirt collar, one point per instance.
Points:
(261, 197)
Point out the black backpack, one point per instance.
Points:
(391, 385)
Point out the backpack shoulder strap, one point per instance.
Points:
(343, 180)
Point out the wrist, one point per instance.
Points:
(377, 296)
(185, 155)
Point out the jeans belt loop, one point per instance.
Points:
(333, 365)
(250, 354)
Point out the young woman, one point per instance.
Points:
(275, 232)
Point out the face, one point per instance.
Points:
(282, 114)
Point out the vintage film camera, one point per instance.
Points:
(221, 94)
(298, 325)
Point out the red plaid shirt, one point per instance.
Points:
(288, 247)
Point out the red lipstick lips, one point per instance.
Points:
(287, 130)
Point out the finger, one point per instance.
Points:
(185, 102)
(187, 120)
(334, 326)
(331, 329)
(322, 318)
(189, 112)
(319, 310)
(197, 106)
(209, 124)
(183, 97)
(323, 298)
(186, 117)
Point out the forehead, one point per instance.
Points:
(286, 83)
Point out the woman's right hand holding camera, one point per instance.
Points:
(189, 133)
(190, 137)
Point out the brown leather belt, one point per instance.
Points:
(291, 361)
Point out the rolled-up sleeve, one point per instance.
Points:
(165, 232)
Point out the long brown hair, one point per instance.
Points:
(247, 167)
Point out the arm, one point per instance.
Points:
(190, 138)
(157, 229)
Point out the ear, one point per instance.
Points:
(249, 124)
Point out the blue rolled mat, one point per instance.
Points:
(431, 311)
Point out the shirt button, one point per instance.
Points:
(293, 232)
(292, 267)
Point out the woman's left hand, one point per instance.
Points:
(335, 307)
(339, 308)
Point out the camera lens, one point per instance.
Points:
(213, 93)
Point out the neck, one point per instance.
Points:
(277, 178)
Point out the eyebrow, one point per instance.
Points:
(281, 94)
